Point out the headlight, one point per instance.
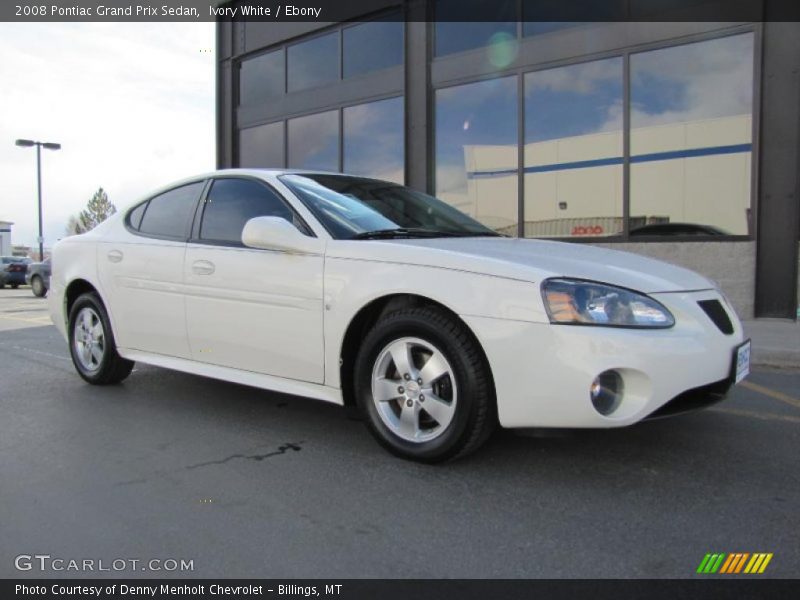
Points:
(576, 302)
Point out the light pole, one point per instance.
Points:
(39, 146)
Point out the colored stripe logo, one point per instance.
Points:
(734, 563)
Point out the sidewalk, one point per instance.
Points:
(776, 342)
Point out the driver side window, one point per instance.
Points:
(232, 202)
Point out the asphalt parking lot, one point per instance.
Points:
(250, 484)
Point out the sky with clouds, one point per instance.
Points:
(131, 103)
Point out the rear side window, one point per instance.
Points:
(169, 214)
(135, 216)
(232, 202)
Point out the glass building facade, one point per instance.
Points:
(648, 137)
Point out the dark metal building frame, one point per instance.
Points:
(776, 110)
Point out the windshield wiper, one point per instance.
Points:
(400, 232)
(410, 232)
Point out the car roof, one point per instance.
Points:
(266, 171)
(253, 172)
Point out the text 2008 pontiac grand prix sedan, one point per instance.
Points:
(358, 291)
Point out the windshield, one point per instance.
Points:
(359, 208)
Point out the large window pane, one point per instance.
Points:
(314, 142)
(261, 78)
(373, 140)
(261, 146)
(314, 62)
(466, 24)
(372, 46)
(691, 115)
(573, 150)
(476, 151)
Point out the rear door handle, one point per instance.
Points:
(202, 267)
(115, 256)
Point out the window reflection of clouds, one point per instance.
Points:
(469, 119)
(261, 77)
(313, 63)
(374, 140)
(371, 46)
(482, 113)
(574, 100)
(314, 142)
(693, 81)
(466, 24)
(261, 146)
(573, 120)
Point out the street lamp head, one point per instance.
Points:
(51, 146)
(25, 143)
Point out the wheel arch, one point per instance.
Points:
(367, 316)
(74, 290)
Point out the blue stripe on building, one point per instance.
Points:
(617, 160)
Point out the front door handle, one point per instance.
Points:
(202, 267)
(115, 256)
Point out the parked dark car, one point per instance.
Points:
(676, 229)
(13, 270)
(38, 276)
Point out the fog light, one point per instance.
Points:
(606, 392)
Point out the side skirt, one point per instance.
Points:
(258, 380)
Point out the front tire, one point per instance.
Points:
(37, 285)
(423, 386)
(92, 345)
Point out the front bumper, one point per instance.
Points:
(543, 372)
(694, 399)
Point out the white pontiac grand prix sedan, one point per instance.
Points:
(367, 293)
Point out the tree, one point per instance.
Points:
(97, 210)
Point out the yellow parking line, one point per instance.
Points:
(756, 415)
(771, 393)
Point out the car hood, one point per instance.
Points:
(528, 260)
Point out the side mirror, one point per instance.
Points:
(275, 233)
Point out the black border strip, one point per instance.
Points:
(445, 10)
(703, 586)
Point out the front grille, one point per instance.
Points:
(715, 312)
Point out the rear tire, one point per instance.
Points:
(14, 286)
(91, 343)
(423, 386)
(37, 285)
